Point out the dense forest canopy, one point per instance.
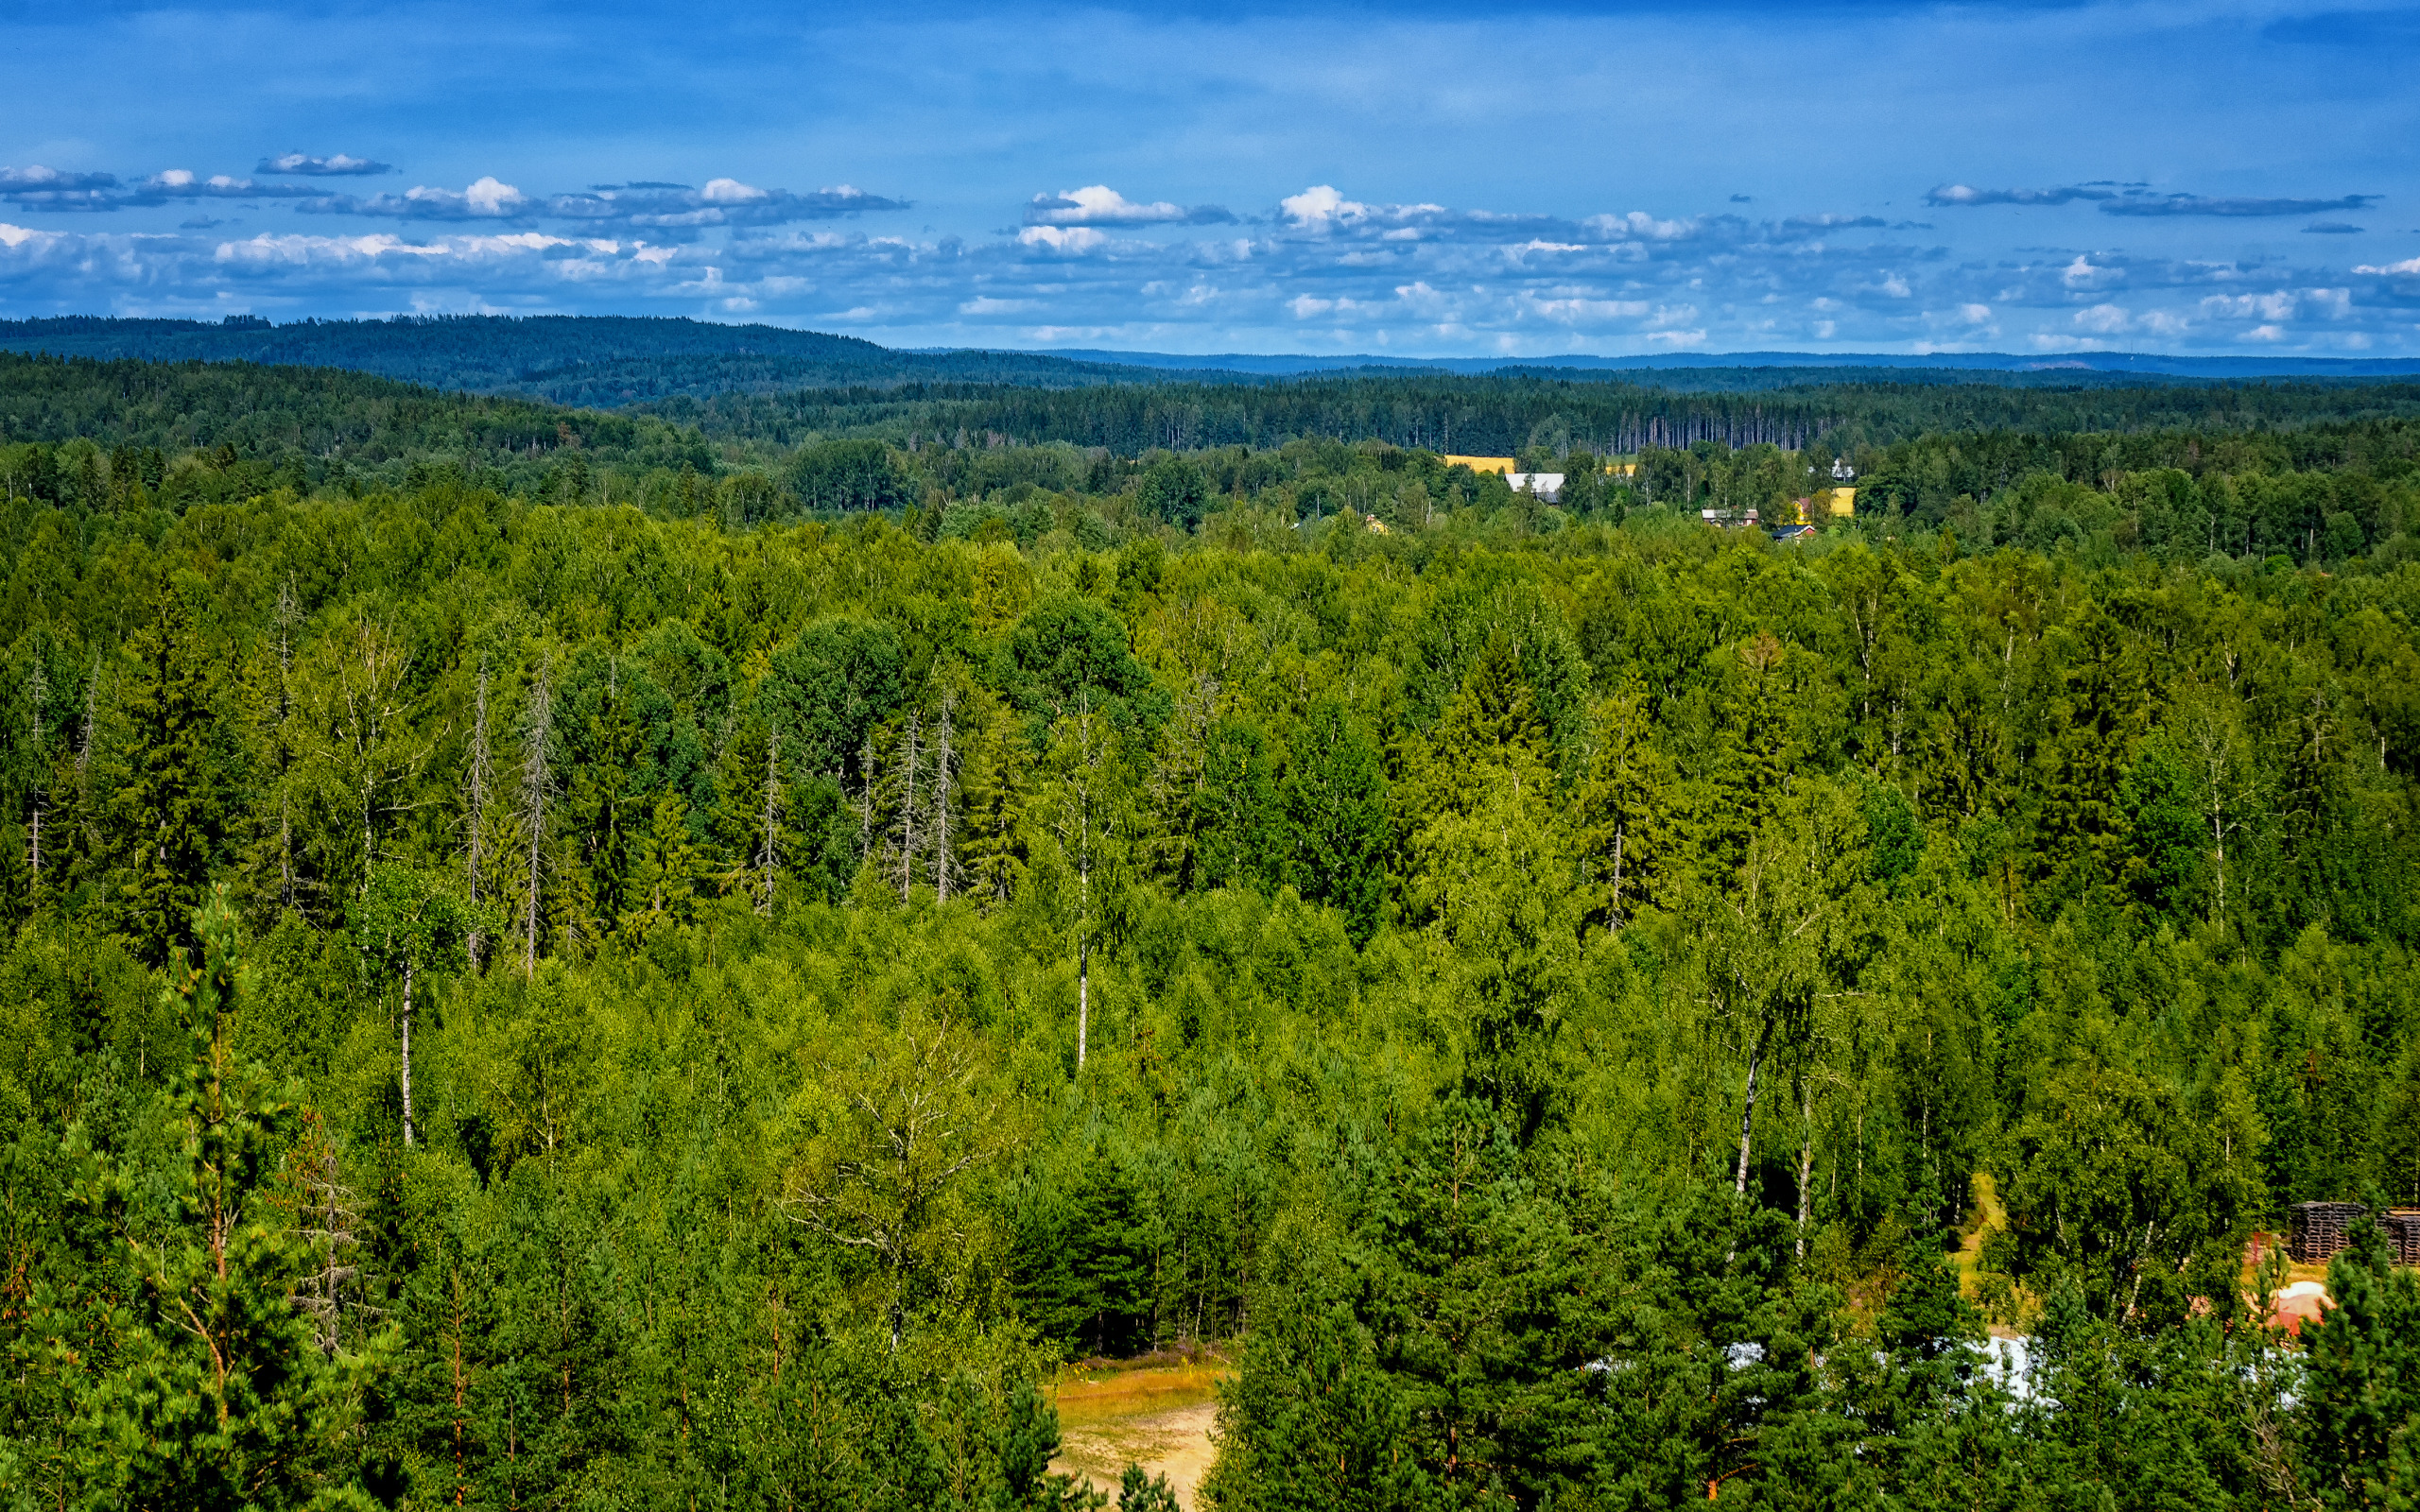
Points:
(569, 959)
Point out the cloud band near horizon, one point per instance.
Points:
(1321, 271)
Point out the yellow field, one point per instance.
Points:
(1157, 1415)
(1101, 1391)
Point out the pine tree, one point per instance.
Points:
(992, 800)
(2362, 1424)
(735, 825)
(164, 806)
(222, 1394)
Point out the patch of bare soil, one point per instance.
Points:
(1156, 1416)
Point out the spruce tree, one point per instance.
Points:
(2099, 716)
(165, 806)
(1336, 832)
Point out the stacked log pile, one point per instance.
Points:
(2402, 1228)
(2319, 1229)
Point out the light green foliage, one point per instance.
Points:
(1547, 984)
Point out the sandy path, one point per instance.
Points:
(1174, 1444)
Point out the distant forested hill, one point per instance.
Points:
(594, 360)
(774, 382)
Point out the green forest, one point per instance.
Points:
(696, 956)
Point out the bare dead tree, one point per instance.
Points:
(1077, 828)
(865, 803)
(910, 758)
(36, 694)
(944, 768)
(482, 780)
(326, 1218)
(910, 1128)
(768, 855)
(285, 617)
(534, 779)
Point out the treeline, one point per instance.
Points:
(1496, 415)
(129, 438)
(513, 1002)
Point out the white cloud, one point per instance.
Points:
(2409, 265)
(1064, 238)
(1320, 205)
(1101, 205)
(41, 188)
(335, 165)
(2280, 305)
(2082, 274)
(488, 197)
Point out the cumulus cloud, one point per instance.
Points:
(2112, 198)
(2208, 205)
(1063, 238)
(40, 188)
(488, 198)
(1954, 196)
(670, 208)
(1101, 205)
(1321, 207)
(339, 165)
(721, 203)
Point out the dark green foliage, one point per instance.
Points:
(829, 689)
(214, 1389)
(1070, 653)
(2119, 1195)
(2363, 1382)
(1175, 490)
(1338, 832)
(1083, 1260)
(1552, 990)
(847, 476)
(166, 808)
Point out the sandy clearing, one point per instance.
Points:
(1175, 1444)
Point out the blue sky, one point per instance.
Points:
(1422, 179)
